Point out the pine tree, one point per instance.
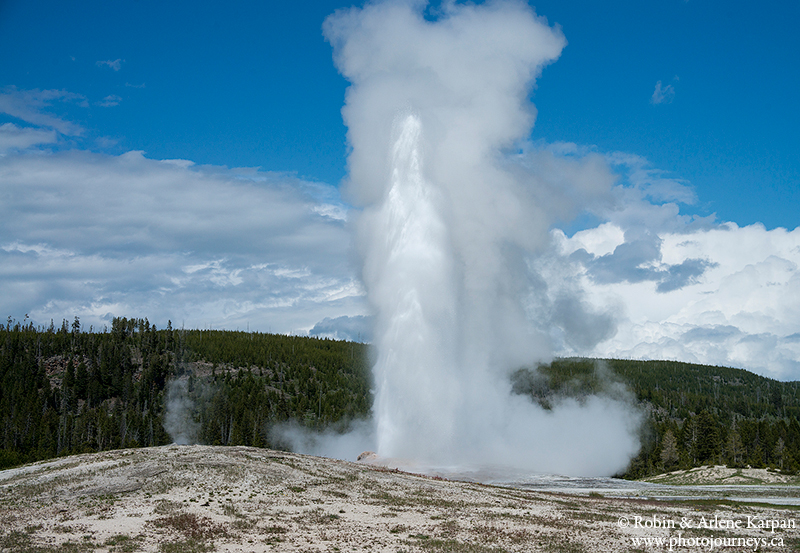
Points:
(734, 447)
(780, 450)
(707, 437)
(669, 450)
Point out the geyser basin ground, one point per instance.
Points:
(201, 498)
(746, 485)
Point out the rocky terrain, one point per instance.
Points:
(202, 498)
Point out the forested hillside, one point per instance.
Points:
(67, 390)
(64, 390)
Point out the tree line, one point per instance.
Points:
(66, 390)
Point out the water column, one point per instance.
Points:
(410, 283)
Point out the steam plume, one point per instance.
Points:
(449, 221)
(179, 419)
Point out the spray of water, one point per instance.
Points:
(451, 217)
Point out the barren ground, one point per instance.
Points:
(202, 498)
(722, 475)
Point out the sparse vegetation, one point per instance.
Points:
(185, 546)
(192, 526)
(427, 515)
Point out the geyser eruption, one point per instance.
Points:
(450, 222)
(410, 269)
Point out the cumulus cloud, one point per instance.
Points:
(354, 329)
(639, 259)
(100, 236)
(724, 295)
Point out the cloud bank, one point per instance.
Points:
(99, 236)
(724, 295)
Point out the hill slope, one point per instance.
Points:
(204, 498)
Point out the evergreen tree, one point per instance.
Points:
(707, 437)
(734, 447)
(669, 450)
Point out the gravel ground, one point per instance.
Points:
(201, 498)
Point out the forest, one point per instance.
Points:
(66, 389)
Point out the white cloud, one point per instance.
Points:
(336, 212)
(672, 286)
(100, 236)
(663, 94)
(13, 137)
(651, 182)
(741, 308)
(30, 106)
(116, 64)
(110, 101)
(355, 329)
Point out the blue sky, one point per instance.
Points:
(692, 104)
(253, 84)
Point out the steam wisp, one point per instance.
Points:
(179, 420)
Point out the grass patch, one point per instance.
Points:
(385, 498)
(16, 541)
(230, 510)
(192, 526)
(66, 547)
(454, 546)
(121, 543)
(185, 546)
(21, 542)
(274, 534)
(243, 524)
(334, 493)
(167, 507)
(316, 516)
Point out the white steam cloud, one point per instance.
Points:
(179, 421)
(437, 113)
